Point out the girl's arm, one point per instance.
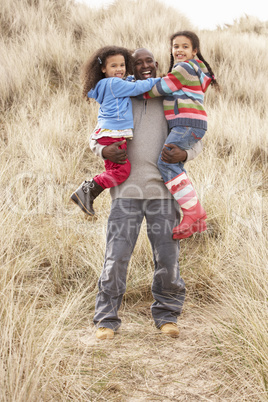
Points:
(172, 82)
(121, 88)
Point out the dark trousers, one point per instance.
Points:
(124, 225)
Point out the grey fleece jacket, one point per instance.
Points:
(150, 133)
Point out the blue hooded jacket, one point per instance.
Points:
(113, 95)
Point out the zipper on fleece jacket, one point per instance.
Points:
(145, 106)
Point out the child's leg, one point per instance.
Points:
(193, 213)
(85, 195)
(181, 188)
(115, 173)
(185, 137)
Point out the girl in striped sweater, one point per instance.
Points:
(183, 89)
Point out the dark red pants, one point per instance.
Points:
(115, 173)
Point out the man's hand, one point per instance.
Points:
(174, 155)
(114, 153)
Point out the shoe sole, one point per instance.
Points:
(105, 337)
(171, 334)
(77, 201)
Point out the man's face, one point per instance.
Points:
(145, 65)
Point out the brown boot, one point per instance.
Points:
(86, 194)
(104, 333)
(170, 329)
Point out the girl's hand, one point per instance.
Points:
(114, 153)
(174, 155)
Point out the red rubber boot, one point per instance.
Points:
(193, 213)
(193, 221)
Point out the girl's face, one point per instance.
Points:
(182, 49)
(115, 66)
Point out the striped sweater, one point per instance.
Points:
(183, 89)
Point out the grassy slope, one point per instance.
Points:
(51, 256)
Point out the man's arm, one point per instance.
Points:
(194, 151)
(96, 148)
(175, 154)
(111, 152)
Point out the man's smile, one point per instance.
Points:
(147, 73)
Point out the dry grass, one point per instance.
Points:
(51, 256)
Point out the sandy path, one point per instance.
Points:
(141, 364)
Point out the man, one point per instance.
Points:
(142, 195)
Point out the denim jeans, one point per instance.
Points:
(124, 225)
(185, 138)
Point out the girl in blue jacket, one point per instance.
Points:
(103, 80)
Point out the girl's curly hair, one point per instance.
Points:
(196, 45)
(91, 72)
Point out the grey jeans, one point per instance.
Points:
(168, 287)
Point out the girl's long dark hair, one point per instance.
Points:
(196, 45)
(91, 72)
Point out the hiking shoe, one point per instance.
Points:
(85, 195)
(104, 333)
(170, 329)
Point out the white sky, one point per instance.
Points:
(208, 14)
